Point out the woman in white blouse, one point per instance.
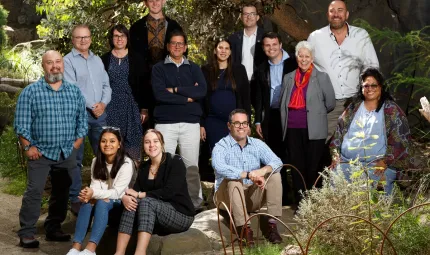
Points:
(111, 173)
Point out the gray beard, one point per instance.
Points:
(53, 78)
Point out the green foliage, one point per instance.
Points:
(3, 21)
(23, 61)
(264, 249)
(7, 106)
(16, 186)
(10, 166)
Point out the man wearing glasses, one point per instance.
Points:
(178, 84)
(247, 166)
(86, 70)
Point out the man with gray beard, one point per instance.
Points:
(51, 122)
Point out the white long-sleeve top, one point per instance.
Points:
(119, 184)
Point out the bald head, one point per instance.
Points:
(337, 14)
(53, 66)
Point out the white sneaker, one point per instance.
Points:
(73, 251)
(86, 252)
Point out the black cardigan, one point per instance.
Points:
(262, 91)
(142, 92)
(170, 184)
(242, 93)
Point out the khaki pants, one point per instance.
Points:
(252, 197)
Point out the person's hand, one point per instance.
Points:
(33, 153)
(254, 174)
(144, 115)
(129, 202)
(86, 194)
(190, 100)
(170, 90)
(259, 131)
(380, 168)
(425, 114)
(99, 109)
(203, 134)
(131, 192)
(334, 162)
(259, 181)
(77, 143)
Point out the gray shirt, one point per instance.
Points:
(89, 75)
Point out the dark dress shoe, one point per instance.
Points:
(248, 235)
(273, 235)
(58, 236)
(75, 207)
(28, 242)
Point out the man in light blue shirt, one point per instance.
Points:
(86, 70)
(237, 160)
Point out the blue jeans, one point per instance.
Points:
(101, 214)
(95, 128)
(390, 177)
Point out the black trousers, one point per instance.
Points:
(306, 156)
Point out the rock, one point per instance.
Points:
(191, 241)
(291, 250)
(8, 89)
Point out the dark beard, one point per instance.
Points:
(53, 78)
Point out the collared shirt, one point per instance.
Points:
(276, 71)
(248, 52)
(229, 159)
(89, 75)
(51, 120)
(343, 63)
(170, 60)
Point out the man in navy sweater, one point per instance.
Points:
(178, 84)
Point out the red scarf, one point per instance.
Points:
(297, 100)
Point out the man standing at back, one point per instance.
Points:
(148, 37)
(246, 45)
(178, 83)
(342, 51)
(86, 70)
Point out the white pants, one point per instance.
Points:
(187, 136)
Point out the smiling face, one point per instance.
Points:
(222, 51)
(81, 39)
(177, 47)
(371, 94)
(155, 6)
(109, 145)
(304, 59)
(119, 40)
(337, 14)
(53, 66)
(153, 145)
(240, 132)
(272, 48)
(249, 17)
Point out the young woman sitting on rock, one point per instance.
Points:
(111, 173)
(159, 199)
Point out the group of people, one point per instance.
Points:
(329, 91)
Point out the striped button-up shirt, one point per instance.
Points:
(51, 120)
(229, 159)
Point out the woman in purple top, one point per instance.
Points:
(307, 97)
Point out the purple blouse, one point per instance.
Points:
(297, 118)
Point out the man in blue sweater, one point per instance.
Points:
(178, 84)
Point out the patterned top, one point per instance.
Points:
(51, 120)
(229, 160)
(399, 153)
(156, 34)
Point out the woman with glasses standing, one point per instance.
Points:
(306, 98)
(228, 89)
(128, 98)
(375, 130)
(111, 174)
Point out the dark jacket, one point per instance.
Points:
(262, 91)
(170, 184)
(173, 107)
(236, 41)
(243, 97)
(139, 37)
(142, 92)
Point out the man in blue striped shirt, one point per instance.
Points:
(86, 70)
(237, 161)
(51, 122)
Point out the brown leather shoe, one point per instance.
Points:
(248, 236)
(273, 234)
(28, 242)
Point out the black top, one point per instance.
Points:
(261, 83)
(170, 184)
(242, 92)
(137, 75)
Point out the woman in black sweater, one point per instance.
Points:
(159, 197)
(228, 89)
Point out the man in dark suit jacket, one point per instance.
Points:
(268, 83)
(148, 37)
(246, 48)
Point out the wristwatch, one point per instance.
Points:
(27, 147)
(247, 175)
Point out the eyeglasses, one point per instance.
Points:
(237, 124)
(83, 38)
(373, 86)
(177, 44)
(113, 128)
(250, 14)
(117, 37)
